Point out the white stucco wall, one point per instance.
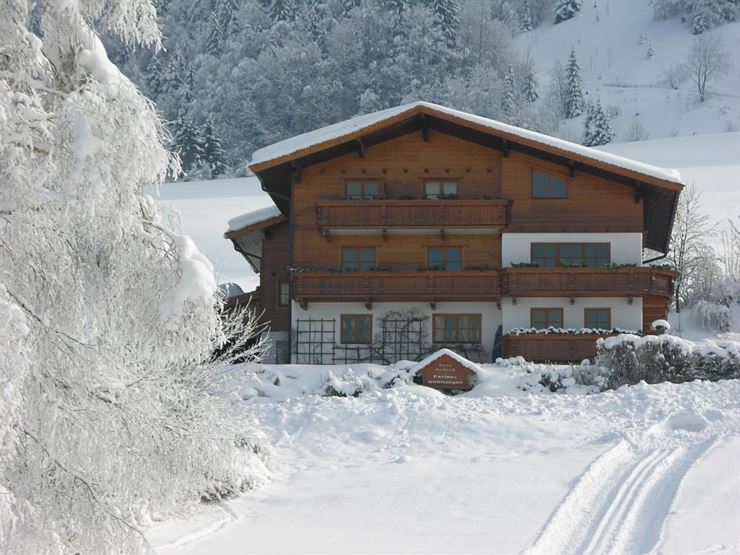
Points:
(626, 248)
(490, 314)
(624, 315)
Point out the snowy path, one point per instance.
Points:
(397, 471)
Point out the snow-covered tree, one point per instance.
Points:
(213, 152)
(529, 84)
(525, 18)
(597, 127)
(574, 100)
(188, 143)
(282, 10)
(215, 37)
(566, 9)
(707, 59)
(447, 17)
(509, 98)
(110, 411)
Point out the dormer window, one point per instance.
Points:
(548, 186)
(440, 189)
(363, 189)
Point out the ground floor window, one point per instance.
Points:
(600, 318)
(541, 318)
(456, 328)
(356, 328)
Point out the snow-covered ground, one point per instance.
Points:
(496, 470)
(611, 39)
(204, 208)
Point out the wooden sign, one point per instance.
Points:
(446, 373)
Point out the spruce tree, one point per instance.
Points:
(213, 152)
(509, 101)
(529, 87)
(525, 18)
(566, 9)
(282, 10)
(215, 37)
(574, 87)
(598, 127)
(188, 143)
(447, 17)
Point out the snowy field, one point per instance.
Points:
(496, 470)
(203, 208)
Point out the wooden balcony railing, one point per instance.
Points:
(580, 282)
(420, 213)
(541, 347)
(369, 287)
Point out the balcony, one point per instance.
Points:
(369, 287)
(585, 282)
(541, 347)
(417, 213)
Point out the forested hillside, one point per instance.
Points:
(236, 75)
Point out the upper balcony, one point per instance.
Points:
(369, 287)
(409, 214)
(585, 282)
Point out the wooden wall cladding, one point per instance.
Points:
(274, 269)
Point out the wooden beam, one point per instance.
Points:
(361, 147)
(424, 128)
(296, 172)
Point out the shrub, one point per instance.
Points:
(629, 359)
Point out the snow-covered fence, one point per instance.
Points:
(629, 359)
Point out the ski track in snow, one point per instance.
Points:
(619, 504)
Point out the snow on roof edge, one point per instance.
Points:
(253, 217)
(470, 365)
(352, 125)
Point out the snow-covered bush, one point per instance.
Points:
(628, 359)
(112, 411)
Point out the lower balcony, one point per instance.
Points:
(551, 347)
(584, 282)
(369, 287)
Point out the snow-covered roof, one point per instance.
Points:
(254, 217)
(440, 353)
(332, 133)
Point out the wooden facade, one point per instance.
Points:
(394, 161)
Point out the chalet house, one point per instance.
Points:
(419, 227)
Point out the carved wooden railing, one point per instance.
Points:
(450, 213)
(396, 286)
(605, 282)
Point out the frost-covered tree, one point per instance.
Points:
(636, 131)
(574, 100)
(597, 126)
(188, 143)
(215, 37)
(525, 18)
(509, 98)
(529, 84)
(110, 411)
(689, 251)
(566, 9)
(213, 152)
(707, 59)
(282, 10)
(447, 17)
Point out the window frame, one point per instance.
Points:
(558, 248)
(354, 331)
(478, 317)
(548, 175)
(594, 308)
(358, 258)
(441, 181)
(445, 249)
(547, 309)
(363, 181)
(280, 302)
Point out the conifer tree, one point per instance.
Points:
(187, 142)
(598, 127)
(213, 152)
(447, 17)
(566, 9)
(574, 87)
(529, 86)
(282, 10)
(509, 101)
(215, 37)
(525, 18)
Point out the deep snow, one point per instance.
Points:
(410, 470)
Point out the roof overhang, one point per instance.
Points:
(247, 240)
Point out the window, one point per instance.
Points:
(548, 186)
(356, 328)
(358, 258)
(551, 255)
(363, 189)
(445, 258)
(456, 328)
(541, 318)
(600, 318)
(440, 189)
(283, 293)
